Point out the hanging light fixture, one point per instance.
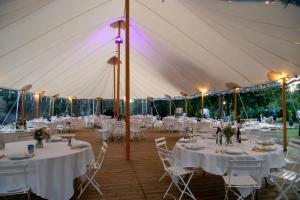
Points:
(118, 40)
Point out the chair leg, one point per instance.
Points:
(226, 193)
(295, 190)
(266, 182)
(168, 189)
(282, 192)
(28, 195)
(163, 176)
(286, 190)
(189, 192)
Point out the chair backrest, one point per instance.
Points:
(19, 171)
(204, 125)
(101, 155)
(294, 140)
(249, 167)
(119, 127)
(166, 156)
(136, 125)
(293, 153)
(161, 143)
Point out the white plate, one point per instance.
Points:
(56, 139)
(194, 146)
(79, 146)
(266, 148)
(234, 151)
(16, 156)
(265, 142)
(182, 140)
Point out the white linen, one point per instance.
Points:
(53, 168)
(213, 161)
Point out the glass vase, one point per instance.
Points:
(39, 144)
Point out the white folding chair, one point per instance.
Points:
(290, 174)
(180, 177)
(243, 174)
(294, 140)
(119, 130)
(161, 143)
(19, 172)
(104, 131)
(135, 130)
(92, 170)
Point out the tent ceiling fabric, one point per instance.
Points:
(63, 46)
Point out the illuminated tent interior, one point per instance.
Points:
(62, 47)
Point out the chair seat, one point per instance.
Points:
(179, 171)
(240, 180)
(15, 191)
(285, 174)
(102, 130)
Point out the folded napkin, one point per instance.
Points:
(79, 145)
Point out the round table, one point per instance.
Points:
(52, 169)
(212, 158)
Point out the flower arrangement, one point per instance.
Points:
(228, 133)
(20, 123)
(39, 135)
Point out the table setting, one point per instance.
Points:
(207, 153)
(66, 158)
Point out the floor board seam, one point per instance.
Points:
(138, 180)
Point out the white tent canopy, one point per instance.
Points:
(62, 46)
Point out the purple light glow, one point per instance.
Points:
(118, 40)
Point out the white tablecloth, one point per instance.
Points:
(53, 168)
(217, 163)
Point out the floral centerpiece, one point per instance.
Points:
(20, 123)
(39, 135)
(228, 133)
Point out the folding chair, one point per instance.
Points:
(92, 170)
(243, 174)
(290, 174)
(180, 177)
(161, 143)
(119, 130)
(135, 129)
(104, 131)
(18, 171)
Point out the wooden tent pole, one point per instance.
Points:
(202, 101)
(37, 113)
(118, 72)
(235, 105)
(127, 107)
(186, 106)
(53, 104)
(170, 107)
(71, 105)
(23, 104)
(114, 88)
(284, 114)
(101, 109)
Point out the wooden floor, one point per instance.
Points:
(138, 178)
